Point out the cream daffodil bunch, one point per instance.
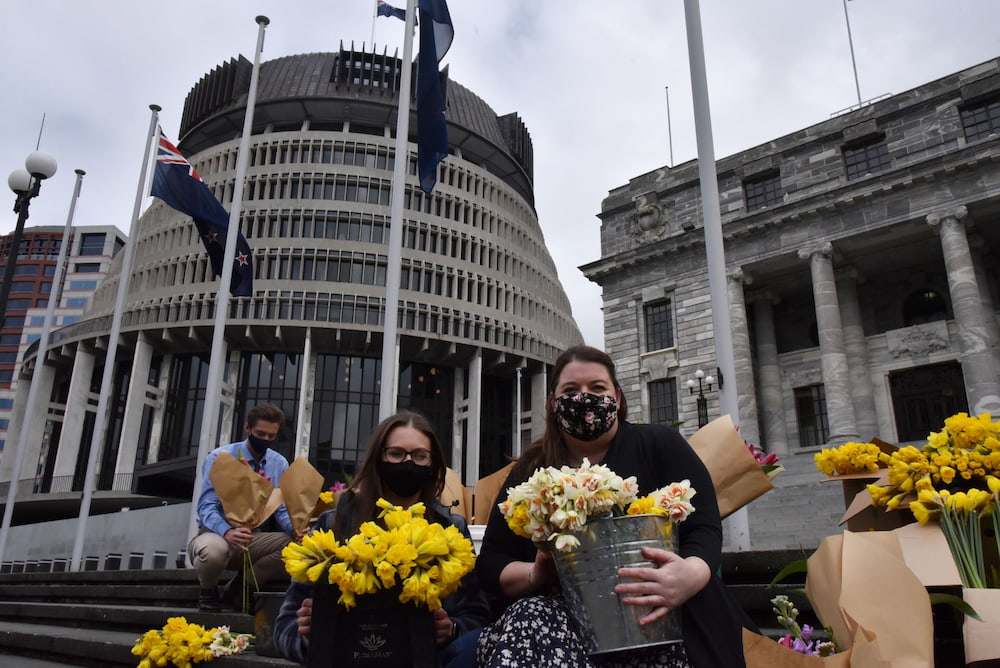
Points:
(672, 501)
(556, 502)
(428, 560)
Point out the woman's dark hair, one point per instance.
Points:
(550, 449)
(367, 484)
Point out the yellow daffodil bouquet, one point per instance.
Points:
(180, 643)
(954, 479)
(428, 560)
(851, 458)
(555, 503)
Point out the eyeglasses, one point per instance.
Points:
(399, 455)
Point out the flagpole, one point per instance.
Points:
(714, 246)
(43, 346)
(850, 41)
(209, 436)
(670, 135)
(390, 354)
(107, 378)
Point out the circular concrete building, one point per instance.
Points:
(481, 313)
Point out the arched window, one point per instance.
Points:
(924, 306)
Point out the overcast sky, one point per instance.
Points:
(588, 78)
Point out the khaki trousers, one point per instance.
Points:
(211, 555)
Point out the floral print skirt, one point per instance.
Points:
(539, 631)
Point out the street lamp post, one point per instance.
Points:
(704, 383)
(26, 184)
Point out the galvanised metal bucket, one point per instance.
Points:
(589, 574)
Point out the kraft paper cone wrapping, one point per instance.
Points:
(982, 639)
(486, 492)
(454, 491)
(874, 602)
(301, 485)
(926, 553)
(824, 580)
(761, 652)
(736, 475)
(247, 497)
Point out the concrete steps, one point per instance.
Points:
(94, 618)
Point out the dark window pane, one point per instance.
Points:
(659, 325)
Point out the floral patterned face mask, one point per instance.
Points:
(586, 416)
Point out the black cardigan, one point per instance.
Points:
(656, 455)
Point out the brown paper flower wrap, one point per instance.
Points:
(850, 579)
(736, 475)
(247, 497)
(301, 485)
(761, 652)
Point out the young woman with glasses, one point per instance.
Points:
(403, 464)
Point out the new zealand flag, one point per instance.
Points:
(178, 184)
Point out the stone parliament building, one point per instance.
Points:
(863, 290)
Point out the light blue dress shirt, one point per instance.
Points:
(210, 513)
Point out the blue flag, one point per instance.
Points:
(177, 183)
(385, 9)
(436, 34)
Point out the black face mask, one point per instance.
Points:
(405, 478)
(258, 446)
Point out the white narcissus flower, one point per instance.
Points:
(553, 501)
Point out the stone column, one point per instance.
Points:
(746, 394)
(980, 262)
(973, 336)
(471, 472)
(44, 375)
(836, 380)
(307, 385)
(134, 401)
(539, 395)
(856, 347)
(73, 419)
(773, 424)
(460, 410)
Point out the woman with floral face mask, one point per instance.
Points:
(404, 464)
(585, 418)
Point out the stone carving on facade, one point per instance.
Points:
(822, 248)
(958, 213)
(649, 222)
(658, 364)
(740, 275)
(918, 340)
